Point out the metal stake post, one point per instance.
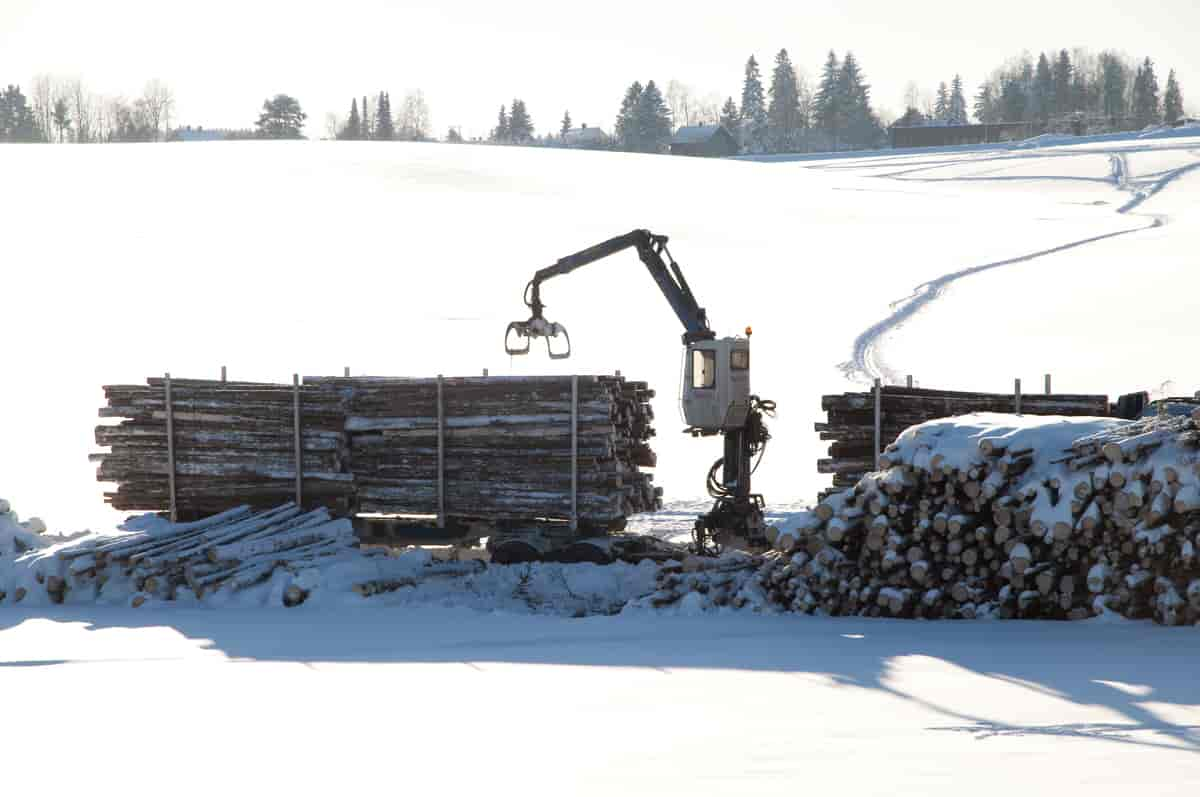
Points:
(296, 440)
(441, 440)
(1017, 395)
(574, 453)
(878, 420)
(170, 447)
(1048, 392)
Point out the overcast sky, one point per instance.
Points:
(223, 57)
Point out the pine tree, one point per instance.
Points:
(941, 107)
(501, 133)
(365, 128)
(566, 123)
(1062, 83)
(1013, 102)
(625, 130)
(353, 128)
(829, 112)
(754, 107)
(653, 120)
(1114, 78)
(862, 128)
(1043, 89)
(17, 122)
(729, 116)
(985, 105)
(958, 102)
(1145, 95)
(62, 118)
(783, 114)
(1172, 100)
(520, 125)
(385, 125)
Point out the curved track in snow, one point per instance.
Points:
(867, 360)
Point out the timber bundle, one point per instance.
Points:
(850, 419)
(232, 443)
(489, 448)
(990, 516)
(508, 444)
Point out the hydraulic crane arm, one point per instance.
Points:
(650, 248)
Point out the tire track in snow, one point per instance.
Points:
(867, 361)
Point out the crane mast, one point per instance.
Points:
(715, 396)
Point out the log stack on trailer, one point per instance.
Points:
(230, 443)
(850, 423)
(555, 449)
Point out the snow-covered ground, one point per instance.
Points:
(965, 269)
(457, 702)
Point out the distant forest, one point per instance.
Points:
(1057, 91)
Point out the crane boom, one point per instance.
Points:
(650, 249)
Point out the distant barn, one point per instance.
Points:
(710, 141)
(956, 135)
(585, 138)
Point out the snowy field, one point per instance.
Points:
(964, 269)
(410, 259)
(458, 702)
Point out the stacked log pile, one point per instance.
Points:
(234, 442)
(990, 516)
(850, 419)
(507, 446)
(371, 445)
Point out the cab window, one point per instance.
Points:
(739, 359)
(704, 368)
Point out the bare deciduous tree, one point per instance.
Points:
(83, 106)
(333, 125)
(45, 92)
(679, 100)
(158, 102)
(413, 123)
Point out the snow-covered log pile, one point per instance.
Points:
(850, 419)
(156, 559)
(506, 445)
(17, 536)
(989, 515)
(234, 442)
(285, 557)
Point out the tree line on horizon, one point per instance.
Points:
(785, 116)
(1108, 90)
(374, 119)
(1103, 92)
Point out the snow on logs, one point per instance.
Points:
(990, 515)
(155, 559)
(850, 419)
(371, 444)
